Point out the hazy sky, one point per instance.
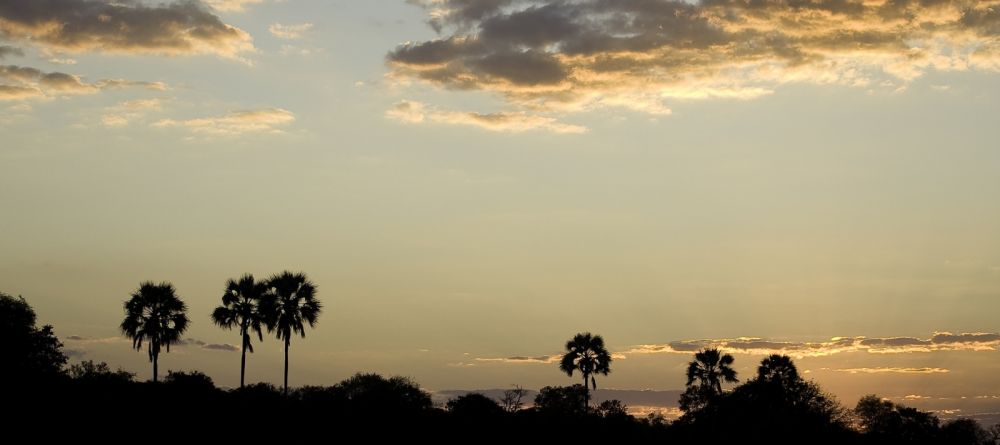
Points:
(470, 181)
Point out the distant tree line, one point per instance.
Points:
(44, 397)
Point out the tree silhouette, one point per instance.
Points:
(710, 369)
(887, 422)
(241, 307)
(474, 405)
(586, 353)
(155, 315)
(28, 352)
(562, 400)
(511, 400)
(289, 305)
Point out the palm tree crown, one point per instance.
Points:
(710, 367)
(290, 305)
(586, 353)
(241, 308)
(156, 315)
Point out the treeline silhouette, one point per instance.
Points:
(45, 398)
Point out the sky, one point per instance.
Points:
(469, 183)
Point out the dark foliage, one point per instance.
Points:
(776, 406)
(29, 353)
(474, 406)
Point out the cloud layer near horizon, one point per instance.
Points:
(563, 55)
(940, 341)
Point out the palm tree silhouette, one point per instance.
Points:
(155, 315)
(290, 303)
(241, 307)
(586, 353)
(711, 368)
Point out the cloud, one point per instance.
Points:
(26, 82)
(231, 5)
(10, 92)
(190, 342)
(893, 370)
(7, 51)
(568, 56)
(515, 122)
(221, 347)
(265, 120)
(939, 341)
(129, 111)
(97, 340)
(107, 84)
(289, 32)
(523, 359)
(130, 27)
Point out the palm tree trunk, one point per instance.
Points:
(155, 369)
(243, 360)
(586, 392)
(287, 342)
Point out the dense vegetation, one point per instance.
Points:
(44, 397)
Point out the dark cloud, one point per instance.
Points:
(978, 338)
(559, 55)
(75, 337)
(182, 27)
(7, 51)
(190, 342)
(221, 347)
(26, 82)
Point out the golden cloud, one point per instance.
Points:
(266, 120)
(940, 341)
(178, 28)
(893, 370)
(516, 122)
(289, 32)
(26, 82)
(546, 55)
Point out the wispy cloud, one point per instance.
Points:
(586, 54)
(941, 341)
(232, 5)
(129, 111)
(893, 370)
(24, 82)
(416, 112)
(523, 359)
(289, 32)
(177, 28)
(266, 120)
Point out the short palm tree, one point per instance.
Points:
(155, 315)
(586, 353)
(710, 368)
(290, 304)
(241, 304)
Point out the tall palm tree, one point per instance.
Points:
(156, 315)
(586, 353)
(290, 304)
(710, 367)
(241, 304)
